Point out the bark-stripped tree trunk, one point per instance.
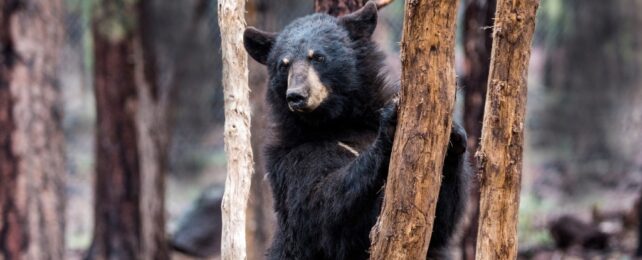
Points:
(500, 155)
(425, 116)
(32, 165)
(478, 21)
(130, 138)
(231, 17)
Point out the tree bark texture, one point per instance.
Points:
(478, 21)
(117, 183)
(500, 156)
(231, 15)
(32, 163)
(425, 117)
(130, 137)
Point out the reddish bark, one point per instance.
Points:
(131, 136)
(117, 183)
(11, 229)
(32, 166)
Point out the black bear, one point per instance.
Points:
(333, 123)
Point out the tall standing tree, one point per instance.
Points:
(478, 21)
(500, 154)
(231, 17)
(32, 164)
(130, 136)
(428, 89)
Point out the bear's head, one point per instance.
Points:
(320, 67)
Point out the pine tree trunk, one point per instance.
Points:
(130, 137)
(500, 155)
(425, 116)
(32, 164)
(117, 184)
(238, 145)
(478, 21)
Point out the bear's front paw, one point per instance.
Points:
(458, 139)
(388, 121)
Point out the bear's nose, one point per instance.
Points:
(295, 99)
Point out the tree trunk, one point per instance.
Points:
(117, 195)
(478, 19)
(32, 164)
(425, 116)
(130, 138)
(238, 145)
(500, 156)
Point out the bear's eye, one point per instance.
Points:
(284, 65)
(318, 58)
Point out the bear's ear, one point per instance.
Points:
(258, 43)
(361, 23)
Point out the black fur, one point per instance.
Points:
(326, 198)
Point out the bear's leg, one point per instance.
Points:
(452, 195)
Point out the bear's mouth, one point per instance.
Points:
(299, 107)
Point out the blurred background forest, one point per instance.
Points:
(583, 153)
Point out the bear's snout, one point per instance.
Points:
(297, 99)
(305, 90)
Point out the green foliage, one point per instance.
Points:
(87, 41)
(115, 19)
(530, 231)
(553, 21)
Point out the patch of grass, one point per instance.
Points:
(532, 225)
